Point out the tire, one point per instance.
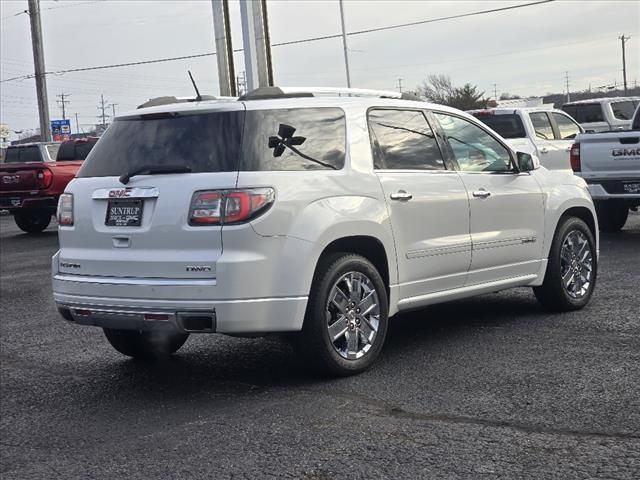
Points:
(612, 215)
(146, 345)
(32, 221)
(567, 249)
(357, 322)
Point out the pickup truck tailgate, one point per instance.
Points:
(19, 178)
(610, 155)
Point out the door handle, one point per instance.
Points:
(482, 193)
(401, 195)
(544, 150)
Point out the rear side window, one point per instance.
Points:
(74, 151)
(507, 125)
(542, 125)
(24, 154)
(585, 112)
(624, 110)
(205, 142)
(568, 128)
(294, 139)
(402, 139)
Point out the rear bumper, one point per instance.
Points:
(243, 316)
(19, 202)
(610, 189)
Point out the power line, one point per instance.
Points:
(51, 8)
(291, 42)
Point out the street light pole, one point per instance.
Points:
(38, 62)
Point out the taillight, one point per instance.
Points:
(44, 176)
(65, 210)
(218, 207)
(574, 157)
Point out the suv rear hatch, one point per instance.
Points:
(141, 227)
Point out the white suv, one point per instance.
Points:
(290, 211)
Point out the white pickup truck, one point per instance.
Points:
(610, 164)
(541, 131)
(603, 114)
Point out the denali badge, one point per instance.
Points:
(69, 265)
(119, 193)
(198, 268)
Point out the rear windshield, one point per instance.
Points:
(624, 110)
(74, 151)
(23, 154)
(585, 112)
(508, 125)
(283, 139)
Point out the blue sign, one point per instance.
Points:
(60, 130)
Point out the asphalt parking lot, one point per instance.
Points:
(491, 387)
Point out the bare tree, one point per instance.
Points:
(440, 89)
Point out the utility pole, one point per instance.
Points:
(113, 109)
(256, 43)
(62, 102)
(400, 85)
(566, 77)
(623, 40)
(77, 124)
(495, 91)
(38, 61)
(344, 45)
(224, 49)
(103, 107)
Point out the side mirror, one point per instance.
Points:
(527, 162)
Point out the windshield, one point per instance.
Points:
(207, 142)
(23, 154)
(74, 151)
(508, 126)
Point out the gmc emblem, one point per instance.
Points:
(11, 179)
(625, 152)
(123, 192)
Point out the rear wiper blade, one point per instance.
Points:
(152, 170)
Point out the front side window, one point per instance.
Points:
(541, 125)
(475, 150)
(624, 110)
(403, 140)
(294, 139)
(568, 128)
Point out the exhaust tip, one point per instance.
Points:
(194, 322)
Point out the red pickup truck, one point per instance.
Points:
(33, 177)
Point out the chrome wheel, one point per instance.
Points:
(353, 315)
(576, 264)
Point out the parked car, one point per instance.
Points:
(542, 131)
(290, 211)
(610, 164)
(33, 177)
(603, 114)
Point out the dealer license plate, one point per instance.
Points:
(631, 187)
(124, 213)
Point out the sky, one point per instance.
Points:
(525, 51)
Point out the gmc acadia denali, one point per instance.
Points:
(322, 213)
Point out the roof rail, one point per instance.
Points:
(263, 93)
